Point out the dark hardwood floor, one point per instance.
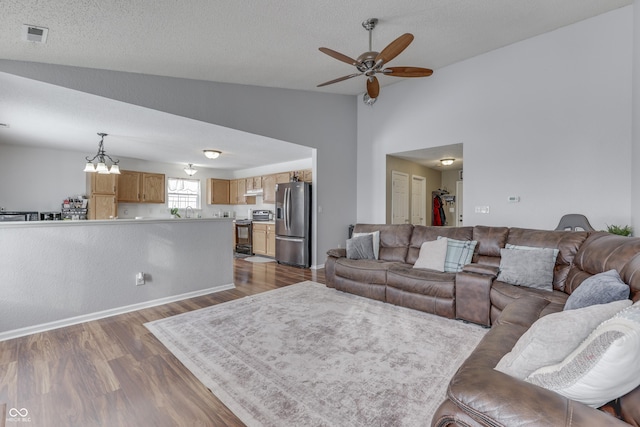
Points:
(113, 371)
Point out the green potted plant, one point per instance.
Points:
(622, 231)
(174, 213)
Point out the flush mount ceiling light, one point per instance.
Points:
(102, 162)
(446, 162)
(189, 170)
(211, 154)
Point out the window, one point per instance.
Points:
(183, 192)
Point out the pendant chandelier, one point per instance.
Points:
(189, 170)
(102, 162)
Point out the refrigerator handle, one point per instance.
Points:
(287, 208)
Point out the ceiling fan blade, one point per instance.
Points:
(407, 72)
(339, 79)
(373, 87)
(338, 56)
(394, 48)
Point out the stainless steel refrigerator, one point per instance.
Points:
(293, 223)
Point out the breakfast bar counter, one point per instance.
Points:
(56, 273)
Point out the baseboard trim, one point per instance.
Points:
(16, 333)
(317, 267)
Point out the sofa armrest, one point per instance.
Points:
(485, 269)
(480, 395)
(337, 253)
(473, 301)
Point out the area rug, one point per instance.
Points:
(259, 259)
(308, 355)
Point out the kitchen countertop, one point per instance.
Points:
(119, 221)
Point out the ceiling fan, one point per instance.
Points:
(371, 63)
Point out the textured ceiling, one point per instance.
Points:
(273, 43)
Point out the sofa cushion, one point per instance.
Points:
(394, 239)
(376, 241)
(423, 234)
(420, 281)
(600, 288)
(604, 367)
(503, 294)
(530, 268)
(432, 255)
(459, 254)
(567, 241)
(551, 338)
(360, 247)
(363, 270)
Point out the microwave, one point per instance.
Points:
(18, 216)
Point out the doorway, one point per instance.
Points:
(399, 198)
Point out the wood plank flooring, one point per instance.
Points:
(114, 372)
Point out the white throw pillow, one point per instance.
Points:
(604, 367)
(376, 241)
(432, 255)
(551, 338)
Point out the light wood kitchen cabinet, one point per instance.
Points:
(271, 240)
(306, 175)
(259, 239)
(141, 187)
(264, 239)
(237, 188)
(103, 206)
(248, 184)
(257, 182)
(283, 177)
(153, 188)
(103, 191)
(104, 183)
(269, 189)
(129, 186)
(218, 191)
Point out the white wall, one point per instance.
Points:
(54, 272)
(547, 119)
(326, 122)
(635, 158)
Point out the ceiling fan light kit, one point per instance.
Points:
(371, 63)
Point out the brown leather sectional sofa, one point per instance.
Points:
(478, 394)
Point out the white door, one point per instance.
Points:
(418, 200)
(458, 203)
(399, 198)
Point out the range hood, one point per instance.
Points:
(255, 192)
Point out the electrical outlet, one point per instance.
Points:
(140, 279)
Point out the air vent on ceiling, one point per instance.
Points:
(31, 33)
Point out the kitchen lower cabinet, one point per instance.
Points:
(259, 239)
(264, 239)
(271, 240)
(103, 206)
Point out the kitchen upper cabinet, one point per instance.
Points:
(218, 191)
(129, 186)
(283, 177)
(257, 182)
(153, 188)
(269, 189)
(103, 183)
(306, 175)
(248, 184)
(141, 187)
(237, 189)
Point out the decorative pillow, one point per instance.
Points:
(604, 367)
(376, 241)
(432, 255)
(360, 247)
(551, 338)
(533, 248)
(524, 267)
(600, 288)
(459, 254)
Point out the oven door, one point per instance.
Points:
(243, 238)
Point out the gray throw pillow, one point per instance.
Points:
(360, 247)
(522, 267)
(601, 288)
